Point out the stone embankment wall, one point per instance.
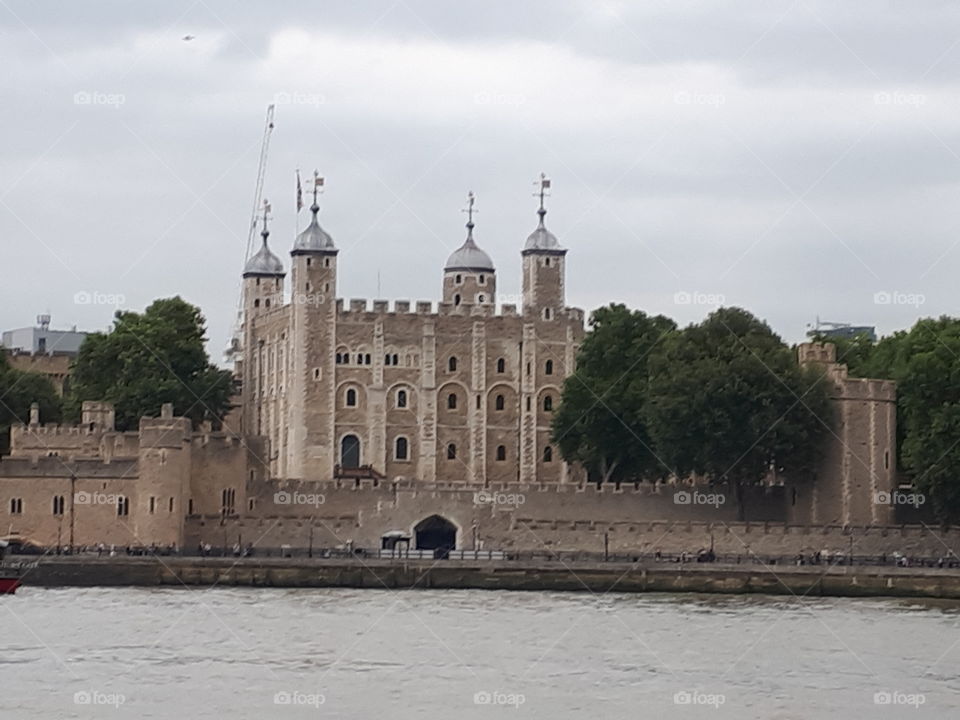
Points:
(595, 577)
(529, 518)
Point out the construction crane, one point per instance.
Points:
(235, 346)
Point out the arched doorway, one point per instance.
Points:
(438, 534)
(350, 451)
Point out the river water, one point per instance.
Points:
(273, 653)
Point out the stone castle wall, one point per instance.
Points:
(56, 487)
(544, 519)
(54, 366)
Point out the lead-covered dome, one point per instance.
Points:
(541, 238)
(314, 238)
(264, 262)
(469, 257)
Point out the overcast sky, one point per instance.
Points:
(794, 158)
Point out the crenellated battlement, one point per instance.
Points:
(867, 389)
(816, 352)
(365, 310)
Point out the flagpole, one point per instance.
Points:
(299, 201)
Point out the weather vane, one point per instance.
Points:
(544, 183)
(469, 209)
(266, 210)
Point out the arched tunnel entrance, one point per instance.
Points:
(438, 534)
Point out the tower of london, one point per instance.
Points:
(461, 391)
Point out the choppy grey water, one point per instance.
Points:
(244, 653)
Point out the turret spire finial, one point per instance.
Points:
(265, 233)
(470, 211)
(317, 184)
(544, 183)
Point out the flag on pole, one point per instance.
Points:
(546, 184)
(319, 181)
(299, 193)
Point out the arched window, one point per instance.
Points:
(351, 400)
(256, 303)
(456, 299)
(501, 366)
(452, 401)
(501, 452)
(386, 359)
(483, 279)
(366, 359)
(401, 449)
(548, 454)
(123, 506)
(548, 369)
(499, 402)
(339, 358)
(451, 452)
(458, 279)
(401, 398)
(359, 358)
(452, 364)
(548, 403)
(396, 359)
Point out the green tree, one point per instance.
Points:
(600, 421)
(925, 363)
(148, 359)
(19, 390)
(728, 401)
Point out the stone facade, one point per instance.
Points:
(858, 470)
(459, 392)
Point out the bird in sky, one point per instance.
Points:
(188, 38)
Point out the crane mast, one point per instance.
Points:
(235, 347)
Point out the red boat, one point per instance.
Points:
(9, 577)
